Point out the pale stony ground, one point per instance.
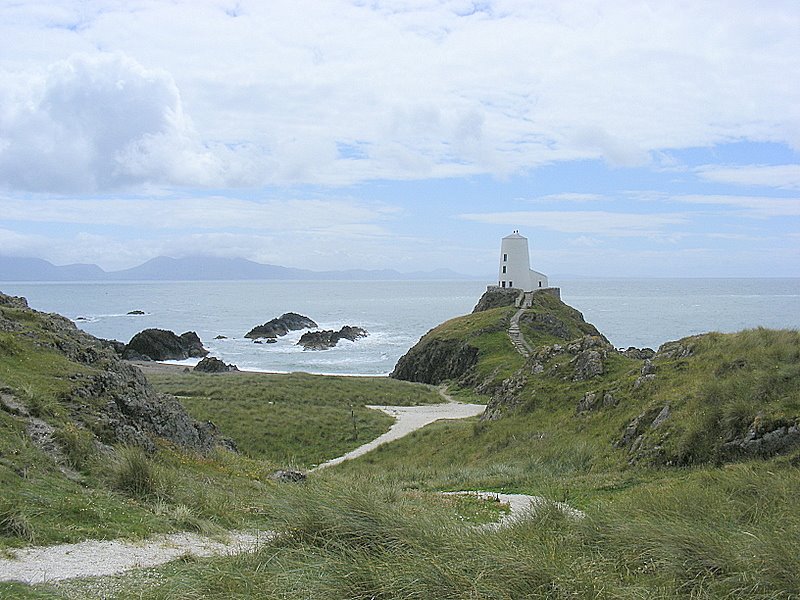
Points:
(408, 419)
(93, 558)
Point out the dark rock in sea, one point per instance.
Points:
(160, 344)
(211, 364)
(281, 326)
(221, 337)
(136, 312)
(324, 340)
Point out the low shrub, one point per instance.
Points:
(136, 474)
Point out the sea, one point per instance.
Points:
(629, 312)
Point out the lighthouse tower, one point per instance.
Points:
(515, 265)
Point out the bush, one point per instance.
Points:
(135, 474)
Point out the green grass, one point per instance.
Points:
(702, 533)
(669, 520)
(298, 419)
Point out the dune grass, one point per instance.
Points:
(298, 419)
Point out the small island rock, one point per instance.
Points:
(326, 339)
(211, 364)
(281, 326)
(161, 344)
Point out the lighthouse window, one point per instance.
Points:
(504, 268)
(505, 258)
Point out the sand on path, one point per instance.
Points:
(407, 420)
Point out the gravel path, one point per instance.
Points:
(408, 419)
(521, 506)
(96, 558)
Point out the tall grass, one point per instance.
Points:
(136, 474)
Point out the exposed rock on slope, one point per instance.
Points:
(496, 298)
(87, 387)
(160, 344)
(434, 361)
(280, 326)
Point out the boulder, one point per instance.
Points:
(326, 339)
(288, 476)
(281, 326)
(161, 344)
(588, 364)
(211, 364)
(639, 353)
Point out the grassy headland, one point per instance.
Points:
(686, 464)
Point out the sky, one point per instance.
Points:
(625, 138)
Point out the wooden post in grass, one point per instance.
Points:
(355, 427)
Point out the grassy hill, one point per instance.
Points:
(686, 463)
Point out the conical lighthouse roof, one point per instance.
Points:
(515, 236)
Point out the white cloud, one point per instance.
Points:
(785, 177)
(570, 197)
(343, 216)
(102, 121)
(615, 224)
(425, 88)
(753, 206)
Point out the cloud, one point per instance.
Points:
(99, 122)
(343, 216)
(615, 224)
(786, 177)
(426, 89)
(569, 197)
(761, 207)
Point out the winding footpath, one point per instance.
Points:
(94, 558)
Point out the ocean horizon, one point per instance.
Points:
(629, 312)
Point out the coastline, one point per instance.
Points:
(170, 368)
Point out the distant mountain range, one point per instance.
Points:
(199, 268)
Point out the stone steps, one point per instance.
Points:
(514, 332)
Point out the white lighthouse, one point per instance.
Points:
(515, 265)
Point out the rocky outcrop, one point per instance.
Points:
(211, 364)
(435, 361)
(763, 439)
(639, 353)
(590, 351)
(327, 339)
(161, 344)
(280, 326)
(505, 399)
(495, 297)
(593, 401)
(107, 397)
